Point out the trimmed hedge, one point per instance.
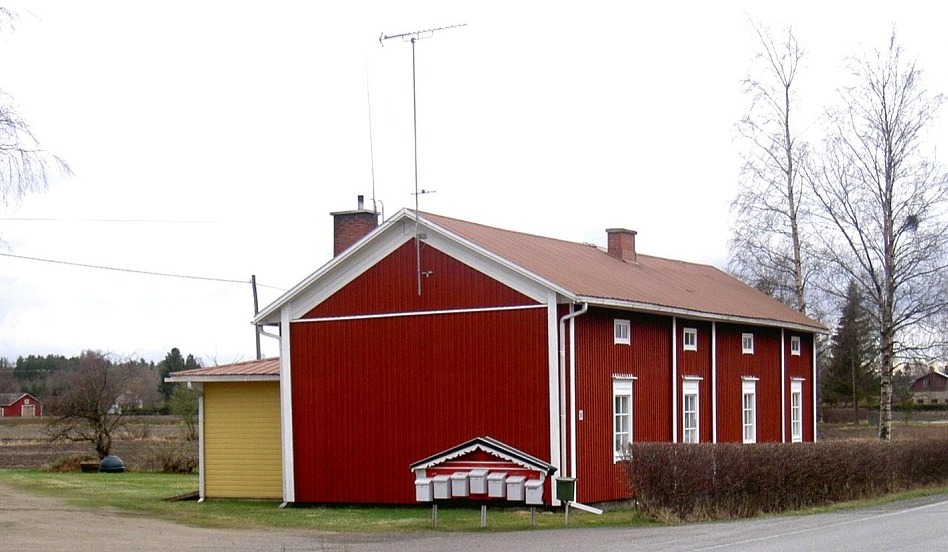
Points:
(713, 481)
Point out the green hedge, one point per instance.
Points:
(733, 480)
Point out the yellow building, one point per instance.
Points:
(239, 423)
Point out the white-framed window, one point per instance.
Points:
(749, 409)
(621, 416)
(796, 411)
(747, 343)
(795, 345)
(622, 330)
(689, 339)
(689, 411)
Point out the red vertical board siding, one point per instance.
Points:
(696, 364)
(764, 364)
(372, 396)
(391, 285)
(801, 367)
(648, 358)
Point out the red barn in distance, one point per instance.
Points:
(430, 331)
(19, 405)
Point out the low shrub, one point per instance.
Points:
(734, 480)
(173, 456)
(71, 463)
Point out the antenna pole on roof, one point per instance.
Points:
(256, 311)
(414, 37)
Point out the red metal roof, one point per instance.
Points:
(588, 272)
(250, 368)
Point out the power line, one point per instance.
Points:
(160, 221)
(133, 271)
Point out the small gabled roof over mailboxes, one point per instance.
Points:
(490, 446)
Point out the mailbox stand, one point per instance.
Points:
(482, 469)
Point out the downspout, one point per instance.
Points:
(279, 338)
(714, 382)
(202, 488)
(783, 385)
(674, 382)
(572, 388)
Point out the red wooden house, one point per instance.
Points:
(430, 331)
(932, 388)
(19, 405)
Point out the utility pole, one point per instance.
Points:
(414, 37)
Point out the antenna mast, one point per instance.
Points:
(414, 37)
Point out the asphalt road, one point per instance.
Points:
(30, 522)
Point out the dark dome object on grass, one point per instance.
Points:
(112, 464)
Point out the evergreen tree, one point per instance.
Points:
(850, 377)
(173, 362)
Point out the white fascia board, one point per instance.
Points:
(492, 266)
(382, 242)
(496, 267)
(344, 269)
(271, 313)
(695, 315)
(216, 379)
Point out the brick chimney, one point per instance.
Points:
(622, 244)
(351, 226)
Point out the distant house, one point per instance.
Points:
(932, 388)
(239, 432)
(427, 332)
(19, 405)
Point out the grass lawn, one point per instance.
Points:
(142, 492)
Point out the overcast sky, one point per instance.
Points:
(212, 140)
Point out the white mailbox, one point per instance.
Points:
(534, 491)
(460, 484)
(478, 481)
(442, 486)
(497, 485)
(515, 487)
(423, 489)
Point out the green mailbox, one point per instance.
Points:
(566, 489)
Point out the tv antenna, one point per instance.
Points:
(414, 37)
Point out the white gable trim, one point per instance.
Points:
(383, 241)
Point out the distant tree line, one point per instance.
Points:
(143, 389)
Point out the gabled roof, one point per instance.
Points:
(266, 369)
(490, 446)
(582, 272)
(6, 399)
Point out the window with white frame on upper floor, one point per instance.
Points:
(621, 416)
(747, 343)
(795, 345)
(622, 330)
(796, 411)
(689, 411)
(689, 339)
(749, 409)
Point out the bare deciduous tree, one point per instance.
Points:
(25, 167)
(768, 247)
(883, 200)
(89, 403)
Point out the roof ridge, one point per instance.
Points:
(425, 215)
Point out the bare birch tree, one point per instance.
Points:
(883, 201)
(768, 246)
(25, 167)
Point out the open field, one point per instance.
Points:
(23, 441)
(24, 444)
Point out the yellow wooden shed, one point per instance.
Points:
(239, 426)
